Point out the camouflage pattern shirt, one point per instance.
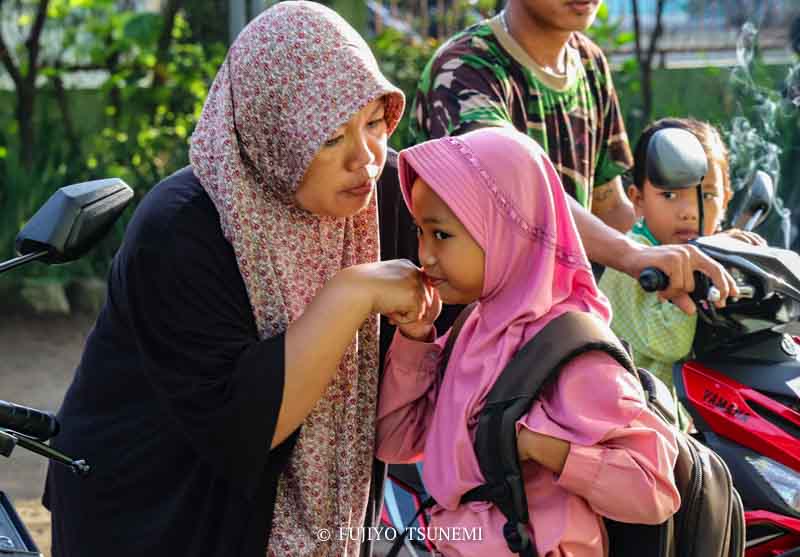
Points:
(483, 77)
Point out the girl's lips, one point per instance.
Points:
(434, 281)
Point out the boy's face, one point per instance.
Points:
(562, 15)
(449, 255)
(672, 216)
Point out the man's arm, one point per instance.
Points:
(611, 248)
(611, 205)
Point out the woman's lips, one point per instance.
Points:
(362, 189)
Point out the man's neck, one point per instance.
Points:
(545, 45)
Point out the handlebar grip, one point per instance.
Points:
(652, 279)
(28, 421)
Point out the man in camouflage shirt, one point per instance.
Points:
(530, 67)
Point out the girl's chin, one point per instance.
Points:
(455, 298)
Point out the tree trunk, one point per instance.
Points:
(169, 12)
(66, 116)
(645, 58)
(646, 75)
(26, 97)
(25, 84)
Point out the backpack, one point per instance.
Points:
(710, 520)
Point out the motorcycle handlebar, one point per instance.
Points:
(28, 421)
(653, 279)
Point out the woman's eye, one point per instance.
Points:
(334, 141)
(377, 122)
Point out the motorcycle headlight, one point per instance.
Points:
(783, 480)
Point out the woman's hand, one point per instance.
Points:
(422, 329)
(394, 288)
(743, 236)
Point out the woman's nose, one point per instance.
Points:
(362, 154)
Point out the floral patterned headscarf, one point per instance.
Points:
(294, 75)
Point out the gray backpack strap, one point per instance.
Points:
(563, 339)
(454, 332)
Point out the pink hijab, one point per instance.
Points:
(292, 76)
(502, 186)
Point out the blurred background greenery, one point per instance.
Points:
(99, 88)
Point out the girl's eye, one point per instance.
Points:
(334, 141)
(417, 231)
(439, 235)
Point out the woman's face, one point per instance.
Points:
(451, 258)
(341, 179)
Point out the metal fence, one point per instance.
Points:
(707, 31)
(694, 32)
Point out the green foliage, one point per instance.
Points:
(135, 126)
(608, 33)
(402, 59)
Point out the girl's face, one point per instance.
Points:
(672, 216)
(450, 257)
(340, 181)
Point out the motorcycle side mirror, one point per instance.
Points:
(676, 159)
(74, 219)
(757, 204)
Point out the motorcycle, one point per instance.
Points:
(70, 222)
(742, 384)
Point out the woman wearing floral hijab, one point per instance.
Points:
(241, 307)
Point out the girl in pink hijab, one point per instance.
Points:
(494, 226)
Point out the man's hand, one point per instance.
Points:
(679, 263)
(611, 205)
(609, 247)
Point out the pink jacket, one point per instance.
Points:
(626, 476)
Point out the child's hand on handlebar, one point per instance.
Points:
(744, 236)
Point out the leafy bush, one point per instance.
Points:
(134, 127)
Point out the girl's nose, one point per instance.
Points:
(426, 256)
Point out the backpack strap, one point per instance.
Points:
(539, 361)
(454, 332)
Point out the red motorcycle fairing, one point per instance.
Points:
(779, 534)
(742, 414)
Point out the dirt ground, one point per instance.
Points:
(38, 356)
